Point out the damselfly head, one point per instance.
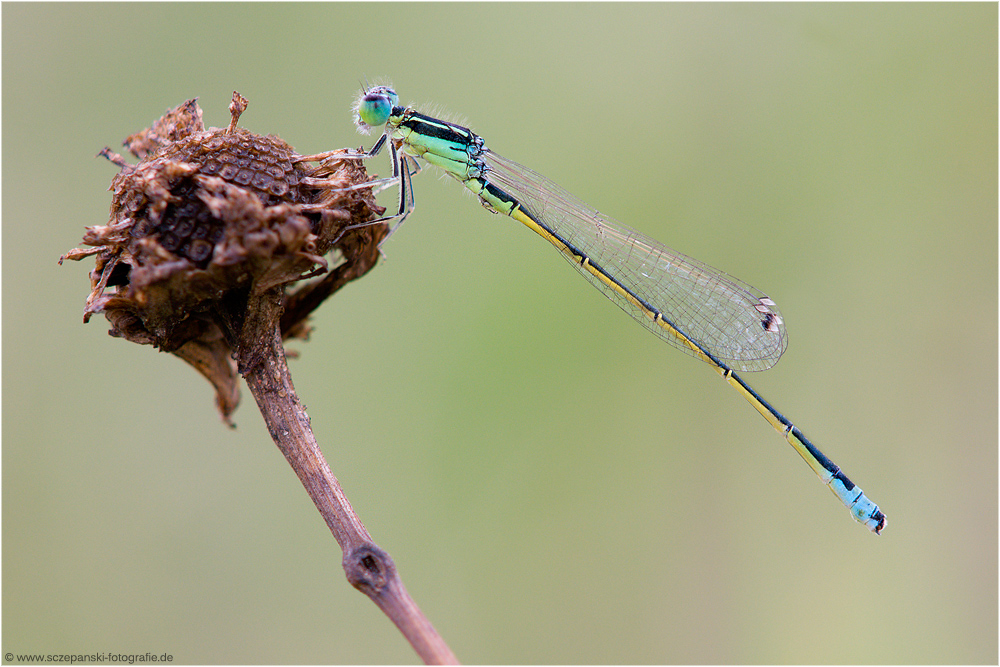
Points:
(373, 107)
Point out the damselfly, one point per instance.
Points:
(698, 309)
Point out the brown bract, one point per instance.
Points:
(208, 232)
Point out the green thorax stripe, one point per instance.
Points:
(451, 147)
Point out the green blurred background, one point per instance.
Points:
(555, 484)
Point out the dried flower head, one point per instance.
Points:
(207, 232)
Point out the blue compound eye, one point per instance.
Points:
(375, 106)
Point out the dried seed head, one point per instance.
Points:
(206, 232)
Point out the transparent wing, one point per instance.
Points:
(734, 322)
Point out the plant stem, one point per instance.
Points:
(369, 568)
